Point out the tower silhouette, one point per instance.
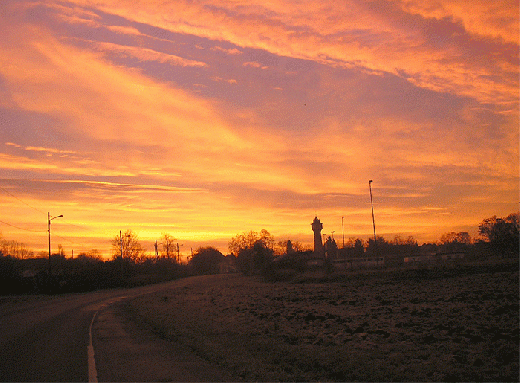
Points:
(317, 227)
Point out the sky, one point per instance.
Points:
(206, 119)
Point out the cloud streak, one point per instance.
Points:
(144, 54)
(210, 118)
(446, 52)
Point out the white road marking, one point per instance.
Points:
(92, 372)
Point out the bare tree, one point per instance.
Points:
(247, 240)
(288, 246)
(14, 249)
(127, 246)
(168, 246)
(61, 251)
(400, 241)
(253, 251)
(91, 255)
(452, 237)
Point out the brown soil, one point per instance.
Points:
(438, 326)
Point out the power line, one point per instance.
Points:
(42, 231)
(25, 203)
(39, 211)
(66, 239)
(21, 228)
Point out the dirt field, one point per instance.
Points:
(435, 325)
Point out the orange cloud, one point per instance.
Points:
(497, 19)
(145, 54)
(48, 150)
(219, 79)
(350, 33)
(109, 103)
(232, 51)
(125, 30)
(14, 162)
(152, 154)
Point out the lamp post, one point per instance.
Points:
(49, 219)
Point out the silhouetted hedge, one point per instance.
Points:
(31, 276)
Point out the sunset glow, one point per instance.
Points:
(205, 119)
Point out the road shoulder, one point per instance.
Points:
(126, 350)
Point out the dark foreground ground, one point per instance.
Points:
(456, 323)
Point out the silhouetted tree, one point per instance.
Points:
(254, 251)
(206, 260)
(14, 249)
(399, 241)
(453, 242)
(452, 237)
(267, 239)
(242, 241)
(254, 260)
(168, 246)
(331, 248)
(92, 255)
(288, 246)
(502, 233)
(377, 248)
(353, 242)
(354, 248)
(128, 247)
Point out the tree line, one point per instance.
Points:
(249, 253)
(127, 246)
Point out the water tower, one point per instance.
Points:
(317, 227)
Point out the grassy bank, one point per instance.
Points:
(429, 325)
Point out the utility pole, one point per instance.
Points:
(372, 203)
(49, 230)
(343, 232)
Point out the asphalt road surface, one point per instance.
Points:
(46, 339)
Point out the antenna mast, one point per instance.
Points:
(372, 203)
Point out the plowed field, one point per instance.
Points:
(431, 325)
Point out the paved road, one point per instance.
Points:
(45, 339)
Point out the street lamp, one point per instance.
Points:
(49, 219)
